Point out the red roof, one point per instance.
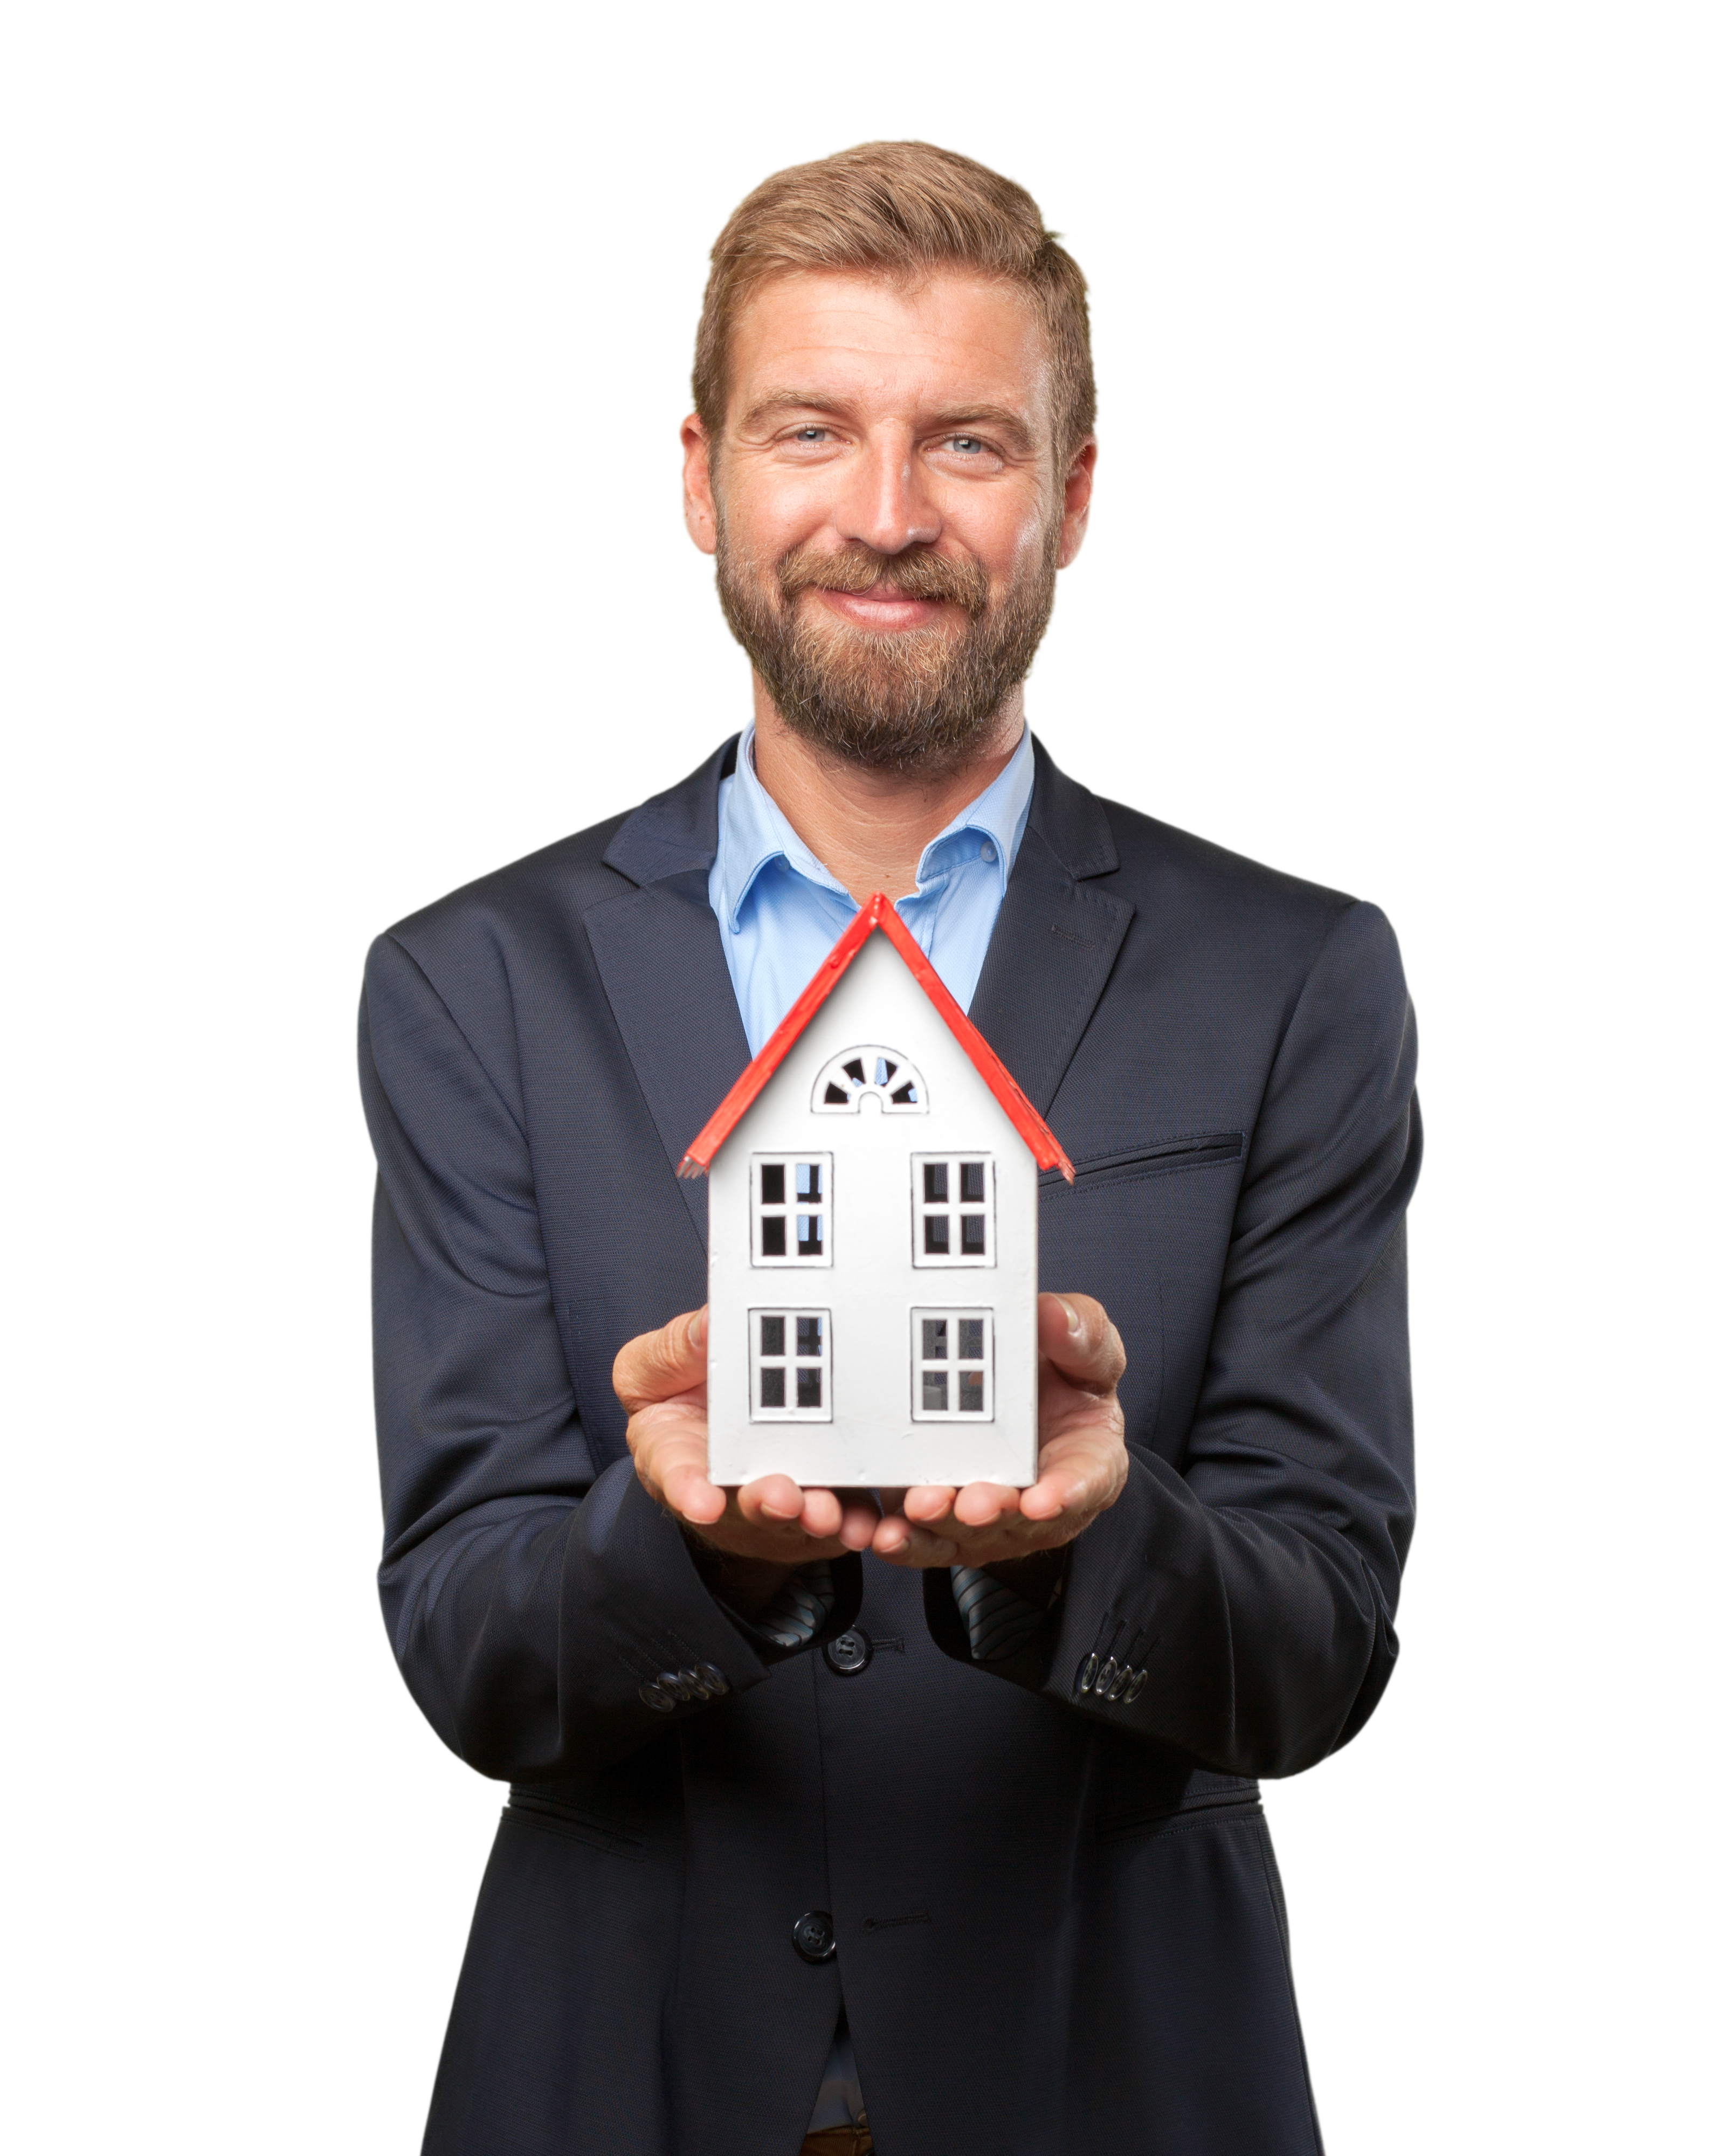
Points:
(881, 913)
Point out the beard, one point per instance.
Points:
(915, 699)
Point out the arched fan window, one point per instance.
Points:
(895, 1083)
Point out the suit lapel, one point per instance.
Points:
(1055, 940)
(659, 955)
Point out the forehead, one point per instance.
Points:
(948, 339)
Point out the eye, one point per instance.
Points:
(809, 435)
(967, 444)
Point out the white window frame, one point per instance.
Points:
(951, 1365)
(761, 1210)
(954, 1207)
(790, 1361)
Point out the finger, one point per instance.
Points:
(658, 1366)
(774, 1498)
(686, 1489)
(856, 1528)
(980, 1504)
(901, 1541)
(1074, 1333)
(822, 1513)
(927, 1503)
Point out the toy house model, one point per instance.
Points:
(871, 1239)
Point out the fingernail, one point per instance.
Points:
(1074, 1323)
(697, 1329)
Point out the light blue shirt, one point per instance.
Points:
(780, 911)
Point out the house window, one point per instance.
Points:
(952, 1208)
(791, 1365)
(850, 1078)
(951, 1366)
(791, 1199)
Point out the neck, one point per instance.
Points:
(867, 828)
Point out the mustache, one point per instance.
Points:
(919, 572)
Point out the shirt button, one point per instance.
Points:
(812, 1936)
(850, 1653)
(988, 851)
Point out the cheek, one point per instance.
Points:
(1006, 531)
(766, 516)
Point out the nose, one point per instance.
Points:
(886, 501)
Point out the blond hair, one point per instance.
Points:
(900, 209)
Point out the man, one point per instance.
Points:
(937, 1806)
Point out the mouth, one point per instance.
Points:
(879, 607)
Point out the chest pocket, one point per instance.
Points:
(1209, 1149)
(1136, 1225)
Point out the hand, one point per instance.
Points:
(1080, 1464)
(661, 1379)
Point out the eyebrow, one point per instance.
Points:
(996, 416)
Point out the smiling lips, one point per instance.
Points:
(880, 607)
(879, 591)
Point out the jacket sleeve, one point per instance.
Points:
(1238, 1608)
(532, 1602)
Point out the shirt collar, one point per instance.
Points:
(753, 832)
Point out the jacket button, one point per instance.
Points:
(717, 1683)
(673, 1681)
(661, 1702)
(850, 1653)
(812, 1936)
(1087, 1675)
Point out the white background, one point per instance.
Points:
(345, 349)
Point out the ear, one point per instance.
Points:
(1074, 512)
(698, 510)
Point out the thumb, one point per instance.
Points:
(1075, 1334)
(658, 1366)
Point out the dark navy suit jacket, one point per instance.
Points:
(1058, 1922)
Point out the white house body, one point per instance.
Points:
(872, 1269)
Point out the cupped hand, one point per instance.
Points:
(1080, 1467)
(661, 1379)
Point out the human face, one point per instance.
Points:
(886, 507)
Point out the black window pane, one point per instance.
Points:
(970, 1392)
(772, 1183)
(772, 1235)
(808, 1178)
(934, 1182)
(934, 1339)
(970, 1340)
(906, 1096)
(773, 1336)
(975, 1234)
(971, 1187)
(808, 1237)
(809, 1336)
(835, 1096)
(773, 1386)
(935, 1244)
(934, 1391)
(808, 1388)
(854, 1070)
